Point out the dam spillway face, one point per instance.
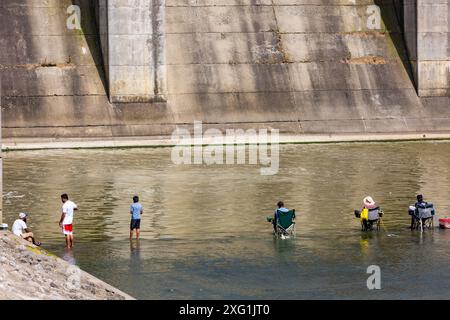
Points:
(139, 68)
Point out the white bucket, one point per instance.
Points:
(3, 226)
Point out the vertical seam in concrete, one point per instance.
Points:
(1, 161)
(106, 63)
(448, 49)
(158, 50)
(448, 37)
(400, 18)
(280, 45)
(95, 7)
(108, 52)
(417, 3)
(274, 14)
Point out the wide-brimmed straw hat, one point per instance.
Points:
(369, 203)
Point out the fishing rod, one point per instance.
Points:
(384, 227)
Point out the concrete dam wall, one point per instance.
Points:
(112, 68)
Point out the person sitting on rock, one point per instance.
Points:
(20, 229)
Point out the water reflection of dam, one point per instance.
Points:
(321, 67)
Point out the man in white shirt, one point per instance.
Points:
(20, 229)
(66, 221)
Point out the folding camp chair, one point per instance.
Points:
(423, 216)
(285, 223)
(374, 219)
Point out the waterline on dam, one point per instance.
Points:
(204, 233)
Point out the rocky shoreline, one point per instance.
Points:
(28, 272)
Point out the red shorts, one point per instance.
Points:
(68, 229)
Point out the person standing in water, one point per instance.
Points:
(136, 211)
(66, 221)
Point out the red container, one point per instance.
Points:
(444, 223)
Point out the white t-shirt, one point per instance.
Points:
(67, 209)
(19, 227)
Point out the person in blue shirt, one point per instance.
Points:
(136, 212)
(281, 208)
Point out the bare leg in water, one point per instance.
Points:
(69, 241)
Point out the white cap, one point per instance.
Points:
(22, 215)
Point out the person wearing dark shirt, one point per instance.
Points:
(281, 208)
(415, 213)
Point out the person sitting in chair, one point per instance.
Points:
(420, 205)
(281, 208)
(369, 214)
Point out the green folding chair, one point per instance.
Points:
(285, 223)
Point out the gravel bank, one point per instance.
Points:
(29, 272)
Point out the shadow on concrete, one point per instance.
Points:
(90, 30)
(392, 15)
